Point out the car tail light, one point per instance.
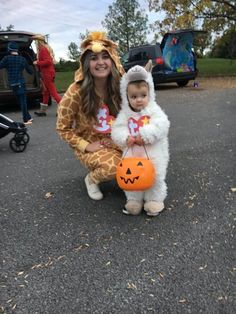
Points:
(159, 61)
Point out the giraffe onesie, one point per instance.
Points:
(102, 163)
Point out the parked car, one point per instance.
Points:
(33, 86)
(173, 59)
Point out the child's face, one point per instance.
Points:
(138, 96)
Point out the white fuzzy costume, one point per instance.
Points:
(154, 134)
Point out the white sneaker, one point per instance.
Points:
(93, 190)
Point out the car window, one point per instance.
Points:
(144, 53)
(23, 40)
(135, 55)
(14, 37)
(150, 53)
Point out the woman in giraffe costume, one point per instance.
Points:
(88, 109)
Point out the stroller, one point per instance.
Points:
(21, 138)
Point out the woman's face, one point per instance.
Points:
(100, 64)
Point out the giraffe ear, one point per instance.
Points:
(148, 66)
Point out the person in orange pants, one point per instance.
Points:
(45, 63)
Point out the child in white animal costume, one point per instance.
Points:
(140, 122)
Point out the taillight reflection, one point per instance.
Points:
(159, 61)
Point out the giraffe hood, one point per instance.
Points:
(97, 42)
(136, 73)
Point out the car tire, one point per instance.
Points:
(182, 83)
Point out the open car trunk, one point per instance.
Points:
(177, 51)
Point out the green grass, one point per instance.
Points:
(216, 67)
(63, 80)
(208, 67)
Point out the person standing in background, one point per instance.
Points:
(45, 63)
(15, 65)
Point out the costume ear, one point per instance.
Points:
(148, 66)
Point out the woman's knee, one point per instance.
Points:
(105, 168)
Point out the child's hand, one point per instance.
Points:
(139, 141)
(130, 141)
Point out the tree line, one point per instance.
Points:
(127, 24)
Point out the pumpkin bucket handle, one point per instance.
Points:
(131, 148)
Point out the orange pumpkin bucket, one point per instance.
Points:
(135, 174)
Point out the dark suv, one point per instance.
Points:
(173, 59)
(33, 87)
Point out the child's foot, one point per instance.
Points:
(153, 208)
(133, 208)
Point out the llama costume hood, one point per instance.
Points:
(136, 73)
(98, 42)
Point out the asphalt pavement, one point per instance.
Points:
(62, 253)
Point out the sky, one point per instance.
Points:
(63, 20)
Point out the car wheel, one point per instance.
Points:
(182, 83)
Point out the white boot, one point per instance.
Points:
(93, 190)
(133, 207)
(153, 208)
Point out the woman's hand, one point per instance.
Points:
(93, 147)
(35, 62)
(107, 142)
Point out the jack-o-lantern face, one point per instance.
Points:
(135, 174)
